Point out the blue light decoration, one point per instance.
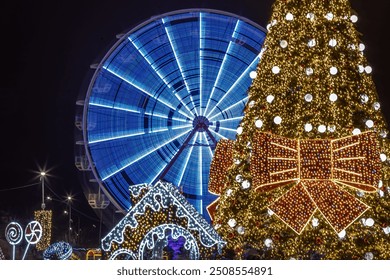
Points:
(163, 96)
(58, 251)
(160, 215)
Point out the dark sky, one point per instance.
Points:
(46, 50)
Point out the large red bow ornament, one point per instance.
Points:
(319, 168)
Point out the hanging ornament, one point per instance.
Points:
(258, 123)
(380, 184)
(381, 193)
(342, 234)
(376, 106)
(310, 16)
(362, 47)
(364, 98)
(354, 18)
(251, 104)
(383, 157)
(361, 68)
(321, 128)
(333, 70)
(369, 123)
(270, 212)
(253, 75)
(232, 223)
(268, 243)
(368, 222)
(283, 44)
(308, 97)
(315, 222)
(241, 230)
(331, 128)
(276, 70)
(217, 226)
(311, 43)
(289, 17)
(229, 192)
(239, 130)
(383, 134)
(245, 184)
(333, 43)
(308, 127)
(237, 161)
(360, 193)
(356, 131)
(309, 71)
(277, 120)
(369, 256)
(239, 178)
(386, 230)
(333, 97)
(329, 16)
(368, 69)
(270, 98)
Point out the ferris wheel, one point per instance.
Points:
(163, 96)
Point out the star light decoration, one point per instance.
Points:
(317, 167)
(159, 211)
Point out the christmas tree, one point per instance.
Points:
(308, 176)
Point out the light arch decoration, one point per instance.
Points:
(161, 211)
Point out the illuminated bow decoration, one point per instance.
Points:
(318, 167)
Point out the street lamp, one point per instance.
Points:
(42, 178)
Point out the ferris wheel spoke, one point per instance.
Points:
(186, 161)
(221, 68)
(241, 102)
(129, 110)
(234, 119)
(146, 154)
(158, 100)
(129, 135)
(209, 146)
(165, 169)
(201, 47)
(218, 134)
(245, 73)
(158, 72)
(179, 64)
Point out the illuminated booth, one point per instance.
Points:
(161, 225)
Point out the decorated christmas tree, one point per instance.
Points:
(308, 175)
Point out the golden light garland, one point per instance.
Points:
(44, 217)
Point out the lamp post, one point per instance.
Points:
(69, 199)
(42, 178)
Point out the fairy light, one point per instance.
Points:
(44, 217)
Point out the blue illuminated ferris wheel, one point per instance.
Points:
(163, 96)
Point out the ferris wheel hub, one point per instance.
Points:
(200, 123)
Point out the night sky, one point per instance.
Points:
(46, 50)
